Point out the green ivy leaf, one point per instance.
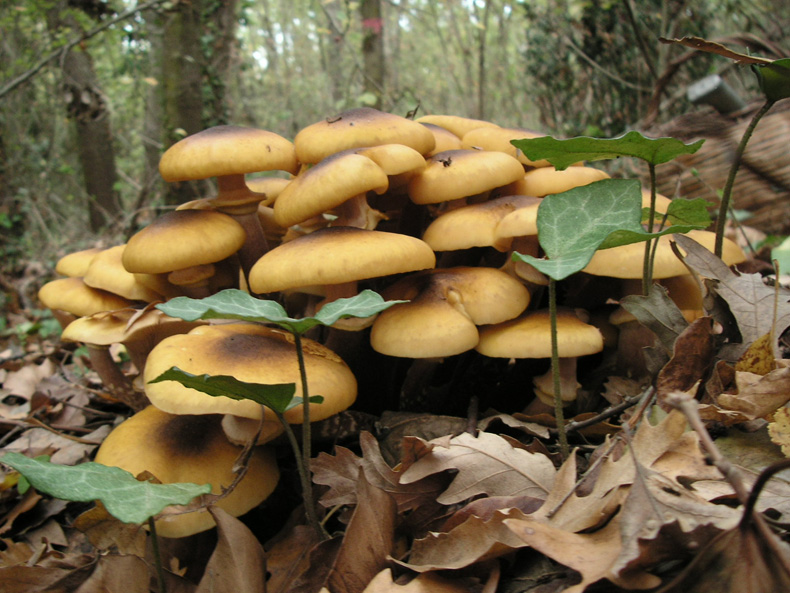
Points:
(125, 497)
(574, 224)
(237, 304)
(279, 397)
(564, 153)
(774, 79)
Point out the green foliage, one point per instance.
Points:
(237, 304)
(279, 397)
(774, 79)
(564, 153)
(124, 497)
(574, 224)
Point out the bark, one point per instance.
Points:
(374, 67)
(87, 107)
(198, 41)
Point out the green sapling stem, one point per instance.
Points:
(559, 413)
(721, 221)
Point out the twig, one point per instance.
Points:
(690, 408)
(609, 412)
(58, 53)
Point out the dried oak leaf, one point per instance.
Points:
(238, 563)
(749, 299)
(369, 540)
(424, 583)
(692, 355)
(737, 396)
(341, 473)
(486, 464)
(475, 539)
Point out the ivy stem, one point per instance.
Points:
(726, 193)
(647, 266)
(305, 473)
(559, 413)
(160, 571)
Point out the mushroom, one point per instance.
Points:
(107, 272)
(498, 139)
(185, 244)
(251, 353)
(69, 298)
(359, 128)
(444, 308)
(184, 448)
(456, 124)
(75, 265)
(229, 153)
(456, 174)
(337, 258)
(543, 181)
(529, 336)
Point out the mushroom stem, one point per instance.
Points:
(235, 199)
(356, 212)
(116, 383)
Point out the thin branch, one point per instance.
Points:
(61, 51)
(569, 42)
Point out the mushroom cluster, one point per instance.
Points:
(427, 211)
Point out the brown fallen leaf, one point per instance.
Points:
(486, 464)
(475, 540)
(238, 564)
(369, 540)
(591, 554)
(701, 44)
(749, 299)
(424, 583)
(341, 473)
(105, 532)
(691, 357)
(759, 357)
(289, 558)
(129, 574)
(736, 561)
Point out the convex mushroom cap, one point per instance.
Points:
(339, 256)
(456, 174)
(179, 448)
(547, 180)
(182, 239)
(529, 336)
(107, 272)
(444, 308)
(227, 150)
(358, 128)
(498, 139)
(626, 261)
(251, 353)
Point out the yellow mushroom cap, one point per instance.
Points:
(474, 225)
(227, 150)
(626, 261)
(328, 184)
(106, 272)
(189, 449)
(251, 353)
(76, 264)
(445, 307)
(182, 239)
(498, 139)
(529, 336)
(74, 296)
(358, 128)
(458, 125)
(548, 180)
(455, 174)
(338, 255)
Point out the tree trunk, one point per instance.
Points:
(374, 69)
(86, 106)
(193, 72)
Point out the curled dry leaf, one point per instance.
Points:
(424, 583)
(779, 429)
(486, 464)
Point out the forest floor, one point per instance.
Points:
(653, 496)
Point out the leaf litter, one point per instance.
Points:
(638, 505)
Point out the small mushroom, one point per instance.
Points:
(183, 448)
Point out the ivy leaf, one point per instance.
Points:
(573, 225)
(279, 397)
(774, 79)
(563, 153)
(125, 497)
(237, 304)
